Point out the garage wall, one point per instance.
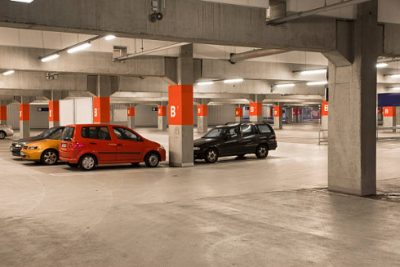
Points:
(39, 119)
(77, 110)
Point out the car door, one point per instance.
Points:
(129, 145)
(264, 133)
(248, 142)
(230, 146)
(99, 141)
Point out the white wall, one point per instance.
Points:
(77, 110)
(38, 120)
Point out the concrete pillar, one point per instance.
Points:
(278, 117)
(24, 118)
(202, 118)
(324, 115)
(256, 114)
(181, 111)
(389, 117)
(162, 117)
(54, 113)
(102, 87)
(238, 114)
(3, 113)
(131, 116)
(289, 115)
(352, 100)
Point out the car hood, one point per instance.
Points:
(205, 141)
(30, 139)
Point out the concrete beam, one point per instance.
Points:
(184, 21)
(391, 45)
(9, 93)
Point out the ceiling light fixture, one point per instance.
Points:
(79, 48)
(23, 1)
(110, 37)
(317, 83)
(230, 81)
(393, 76)
(312, 72)
(382, 65)
(205, 83)
(284, 85)
(50, 57)
(8, 72)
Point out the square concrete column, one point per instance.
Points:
(238, 114)
(324, 115)
(131, 116)
(352, 104)
(54, 113)
(389, 117)
(202, 118)
(102, 87)
(278, 117)
(3, 113)
(24, 118)
(180, 115)
(162, 117)
(289, 115)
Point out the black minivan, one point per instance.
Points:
(236, 139)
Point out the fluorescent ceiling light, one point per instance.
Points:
(8, 72)
(79, 48)
(394, 88)
(50, 58)
(381, 65)
(317, 83)
(205, 83)
(239, 80)
(23, 1)
(284, 85)
(394, 76)
(110, 37)
(313, 72)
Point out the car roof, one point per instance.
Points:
(94, 125)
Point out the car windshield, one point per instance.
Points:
(215, 133)
(47, 132)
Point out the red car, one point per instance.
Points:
(86, 146)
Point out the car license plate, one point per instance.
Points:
(64, 145)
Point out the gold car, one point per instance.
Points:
(44, 151)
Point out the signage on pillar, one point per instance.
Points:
(54, 111)
(239, 112)
(24, 112)
(277, 111)
(389, 111)
(131, 112)
(255, 109)
(101, 109)
(162, 111)
(202, 110)
(180, 99)
(324, 108)
(3, 113)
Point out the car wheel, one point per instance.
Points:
(152, 160)
(87, 163)
(262, 151)
(49, 157)
(3, 135)
(211, 155)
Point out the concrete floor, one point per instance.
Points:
(235, 213)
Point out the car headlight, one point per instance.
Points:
(196, 148)
(18, 146)
(33, 148)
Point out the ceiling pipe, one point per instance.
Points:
(235, 58)
(150, 51)
(315, 11)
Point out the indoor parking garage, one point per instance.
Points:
(199, 133)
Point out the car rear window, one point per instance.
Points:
(264, 128)
(96, 132)
(68, 133)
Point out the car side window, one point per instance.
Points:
(247, 130)
(125, 134)
(101, 133)
(233, 132)
(56, 135)
(264, 129)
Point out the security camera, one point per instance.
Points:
(154, 17)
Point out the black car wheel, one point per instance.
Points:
(2, 135)
(152, 160)
(262, 151)
(49, 157)
(211, 155)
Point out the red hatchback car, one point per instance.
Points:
(86, 146)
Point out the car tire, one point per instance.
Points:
(3, 135)
(211, 155)
(87, 162)
(152, 160)
(262, 151)
(49, 157)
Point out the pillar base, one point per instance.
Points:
(24, 129)
(202, 124)
(181, 146)
(324, 122)
(162, 123)
(131, 122)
